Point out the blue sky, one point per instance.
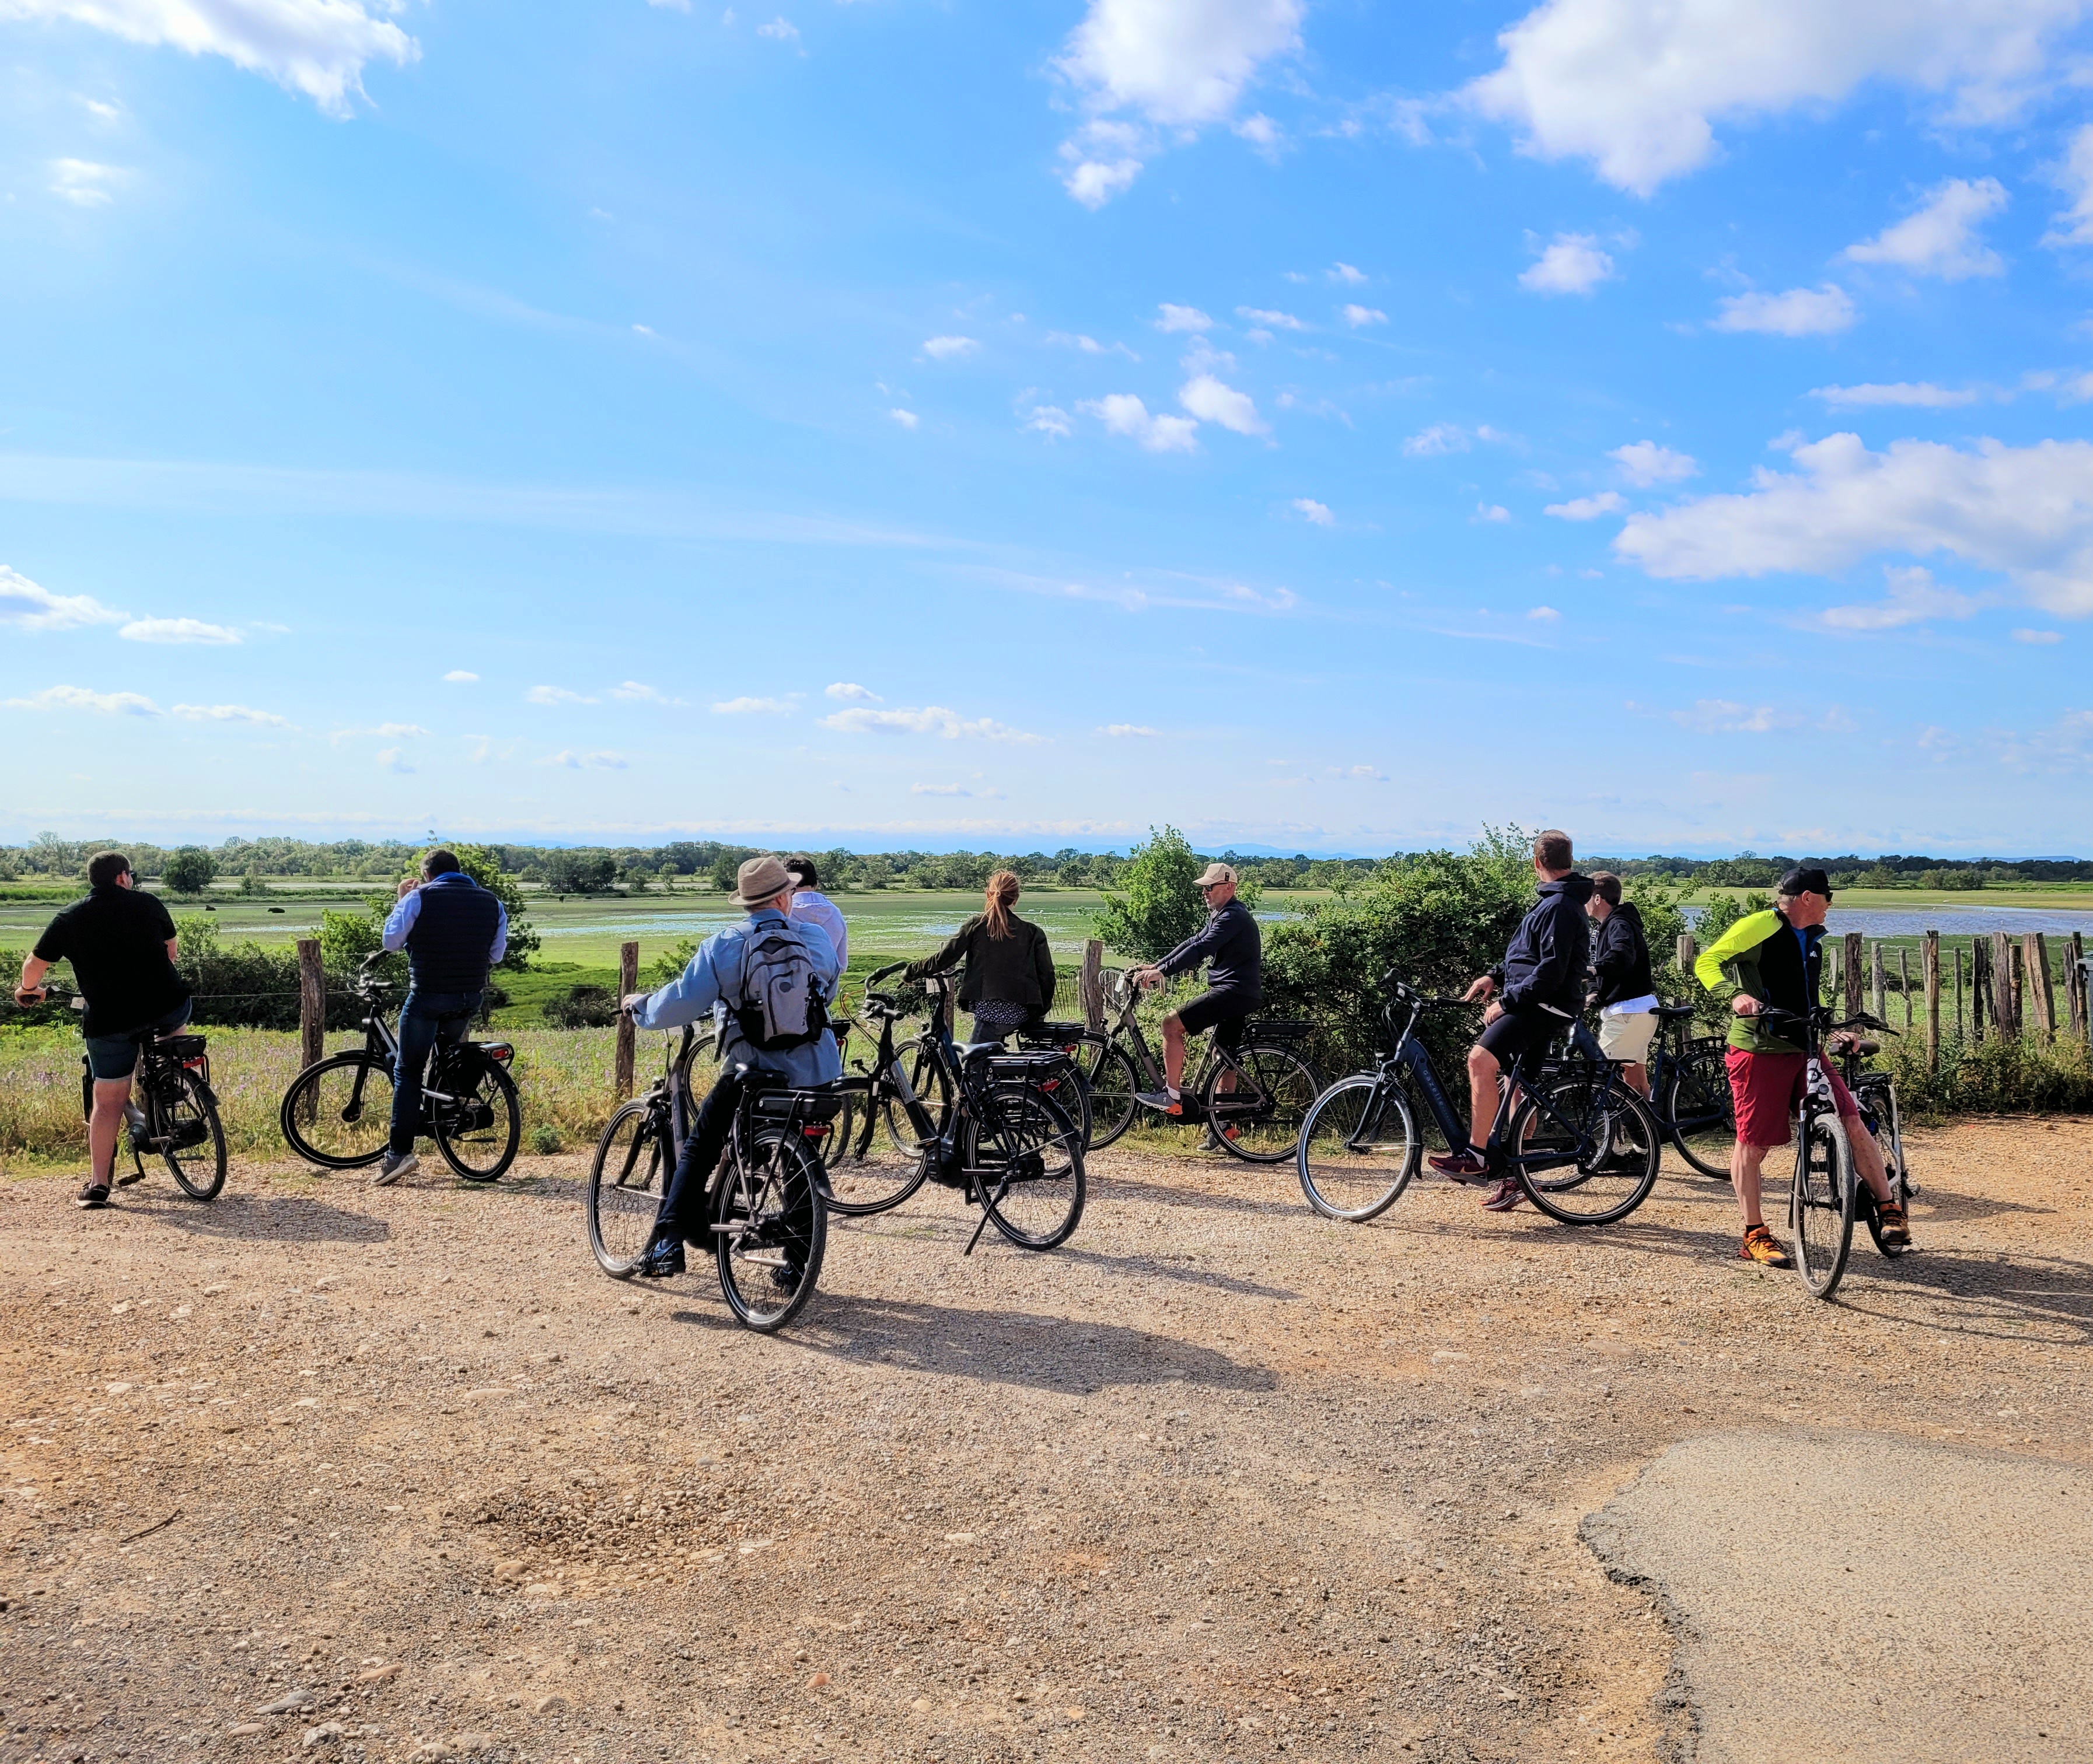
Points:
(1328, 426)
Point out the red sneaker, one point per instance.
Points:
(1463, 1165)
(1504, 1197)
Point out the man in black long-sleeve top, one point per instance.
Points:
(1539, 988)
(1232, 944)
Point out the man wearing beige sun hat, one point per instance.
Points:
(1235, 982)
(767, 983)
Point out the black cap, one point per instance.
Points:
(1805, 881)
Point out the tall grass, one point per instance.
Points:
(1991, 1078)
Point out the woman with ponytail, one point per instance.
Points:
(1008, 979)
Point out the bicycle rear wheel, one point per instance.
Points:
(627, 1181)
(1359, 1149)
(1821, 1205)
(1700, 1109)
(1589, 1148)
(338, 1111)
(194, 1142)
(1259, 1116)
(478, 1131)
(770, 1230)
(1113, 1081)
(1026, 1153)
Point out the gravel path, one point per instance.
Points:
(1219, 1480)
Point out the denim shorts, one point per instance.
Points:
(109, 1057)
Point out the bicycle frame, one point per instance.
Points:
(381, 1045)
(1127, 1026)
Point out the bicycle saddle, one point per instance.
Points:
(1674, 1010)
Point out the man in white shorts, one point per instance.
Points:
(1621, 981)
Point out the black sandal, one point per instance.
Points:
(93, 1194)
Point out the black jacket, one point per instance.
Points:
(1016, 970)
(1231, 942)
(1620, 958)
(1544, 963)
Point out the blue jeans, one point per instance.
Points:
(425, 1019)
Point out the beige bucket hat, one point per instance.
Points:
(758, 882)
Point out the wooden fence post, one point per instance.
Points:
(1850, 971)
(1979, 984)
(1929, 961)
(628, 981)
(2005, 1020)
(1090, 987)
(1904, 984)
(2034, 957)
(2082, 1018)
(1688, 953)
(312, 1002)
(1878, 985)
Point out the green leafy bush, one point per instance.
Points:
(1155, 906)
(583, 1007)
(189, 870)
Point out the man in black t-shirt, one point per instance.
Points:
(121, 944)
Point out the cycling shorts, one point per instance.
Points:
(1223, 1013)
(1520, 1038)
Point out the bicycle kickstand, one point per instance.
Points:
(981, 1196)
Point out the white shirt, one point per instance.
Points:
(1631, 1007)
(809, 904)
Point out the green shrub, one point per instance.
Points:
(1155, 906)
(189, 870)
(583, 1007)
(545, 1139)
(1991, 1077)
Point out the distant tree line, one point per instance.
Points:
(710, 865)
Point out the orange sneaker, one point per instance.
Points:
(1759, 1245)
(1897, 1228)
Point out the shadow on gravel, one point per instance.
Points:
(283, 1218)
(1144, 1267)
(1044, 1353)
(1162, 1195)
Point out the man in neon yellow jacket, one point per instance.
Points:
(1775, 959)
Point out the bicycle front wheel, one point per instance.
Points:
(1700, 1109)
(1588, 1148)
(478, 1130)
(1359, 1149)
(1113, 1081)
(1821, 1205)
(1025, 1158)
(194, 1142)
(1256, 1112)
(864, 1172)
(770, 1230)
(626, 1182)
(931, 1087)
(338, 1111)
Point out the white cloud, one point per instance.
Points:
(2074, 177)
(599, 759)
(638, 692)
(1448, 438)
(1315, 513)
(1211, 401)
(1571, 263)
(1123, 413)
(389, 758)
(24, 606)
(1495, 512)
(1914, 597)
(1587, 507)
(1344, 272)
(1128, 731)
(753, 707)
(1260, 131)
(932, 720)
(1259, 315)
(906, 419)
(1050, 421)
(317, 47)
(1182, 318)
(949, 348)
(1724, 717)
(1089, 345)
(1637, 86)
(779, 30)
(230, 713)
(1941, 238)
(645, 330)
(1544, 615)
(1358, 316)
(1801, 312)
(2022, 512)
(1645, 463)
(1369, 774)
(385, 730)
(177, 631)
(81, 182)
(555, 695)
(1176, 65)
(2023, 635)
(80, 699)
(847, 692)
(1921, 395)
(939, 789)
(460, 676)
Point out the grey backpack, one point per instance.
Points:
(782, 1004)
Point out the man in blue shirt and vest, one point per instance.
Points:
(713, 985)
(453, 930)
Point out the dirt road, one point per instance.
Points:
(1219, 1480)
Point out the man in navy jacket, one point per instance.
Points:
(1539, 988)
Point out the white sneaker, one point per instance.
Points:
(397, 1165)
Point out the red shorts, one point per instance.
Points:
(1767, 1087)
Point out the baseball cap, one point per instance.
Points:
(1215, 872)
(1805, 880)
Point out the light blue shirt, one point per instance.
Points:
(807, 903)
(401, 919)
(714, 976)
